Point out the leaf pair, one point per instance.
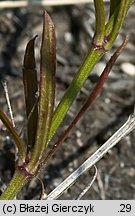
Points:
(39, 115)
(40, 120)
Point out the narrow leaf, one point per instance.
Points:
(47, 88)
(30, 90)
(18, 141)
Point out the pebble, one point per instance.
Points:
(68, 37)
(78, 134)
(128, 68)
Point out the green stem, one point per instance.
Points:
(15, 185)
(114, 4)
(91, 59)
(19, 179)
(123, 8)
(100, 22)
(111, 22)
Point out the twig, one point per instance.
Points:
(18, 4)
(4, 83)
(92, 160)
(101, 187)
(43, 194)
(89, 185)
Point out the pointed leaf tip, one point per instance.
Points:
(30, 89)
(47, 74)
(49, 42)
(46, 88)
(29, 60)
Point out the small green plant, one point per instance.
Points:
(42, 120)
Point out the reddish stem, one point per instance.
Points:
(89, 101)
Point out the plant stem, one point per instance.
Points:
(94, 55)
(123, 8)
(15, 185)
(91, 59)
(89, 101)
(113, 6)
(100, 22)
